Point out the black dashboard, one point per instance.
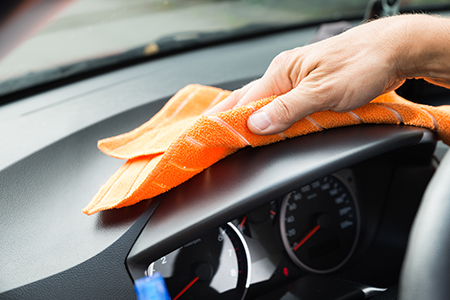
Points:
(365, 210)
(51, 168)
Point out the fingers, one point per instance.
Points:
(274, 82)
(281, 113)
(260, 89)
(231, 101)
(276, 116)
(223, 105)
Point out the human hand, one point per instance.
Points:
(339, 74)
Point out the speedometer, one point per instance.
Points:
(320, 224)
(214, 266)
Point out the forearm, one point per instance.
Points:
(425, 51)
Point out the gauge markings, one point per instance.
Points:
(215, 266)
(319, 224)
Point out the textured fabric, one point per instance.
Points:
(179, 142)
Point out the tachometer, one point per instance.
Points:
(320, 224)
(215, 266)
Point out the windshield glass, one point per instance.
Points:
(92, 29)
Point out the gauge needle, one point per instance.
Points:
(186, 288)
(243, 222)
(310, 234)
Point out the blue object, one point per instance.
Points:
(151, 288)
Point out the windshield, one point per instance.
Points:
(95, 29)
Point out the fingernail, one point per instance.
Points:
(260, 120)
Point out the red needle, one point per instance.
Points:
(186, 288)
(243, 221)
(307, 237)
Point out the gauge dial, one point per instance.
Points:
(266, 213)
(320, 224)
(215, 266)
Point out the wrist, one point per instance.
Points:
(424, 47)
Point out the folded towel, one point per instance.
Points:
(179, 142)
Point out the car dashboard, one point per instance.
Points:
(364, 212)
(323, 216)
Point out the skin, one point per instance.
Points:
(347, 71)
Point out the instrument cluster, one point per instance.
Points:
(312, 229)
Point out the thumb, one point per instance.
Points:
(282, 112)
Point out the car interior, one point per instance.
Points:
(338, 214)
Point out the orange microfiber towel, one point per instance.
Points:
(179, 142)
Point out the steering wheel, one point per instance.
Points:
(426, 268)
